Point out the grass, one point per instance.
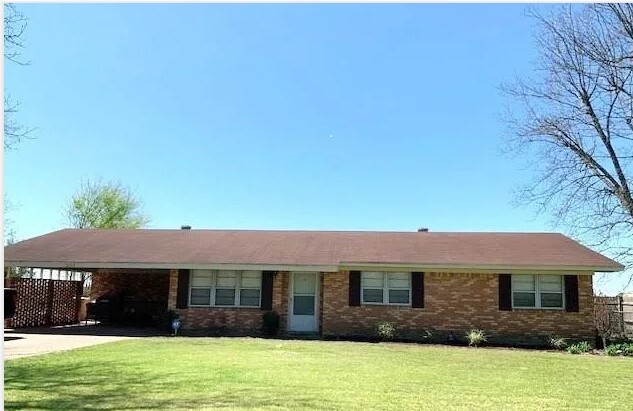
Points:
(253, 374)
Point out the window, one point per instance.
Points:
(250, 285)
(537, 291)
(386, 288)
(225, 288)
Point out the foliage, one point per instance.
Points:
(386, 330)
(558, 342)
(164, 373)
(574, 120)
(270, 323)
(104, 205)
(427, 335)
(624, 349)
(476, 337)
(579, 348)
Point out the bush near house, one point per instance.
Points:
(386, 330)
(558, 343)
(270, 323)
(476, 337)
(582, 347)
(624, 349)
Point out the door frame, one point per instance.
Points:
(317, 296)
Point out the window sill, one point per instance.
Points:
(240, 307)
(539, 308)
(385, 305)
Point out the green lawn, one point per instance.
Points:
(251, 374)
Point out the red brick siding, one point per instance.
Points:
(455, 302)
(144, 285)
(233, 319)
(281, 288)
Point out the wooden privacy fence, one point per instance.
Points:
(43, 302)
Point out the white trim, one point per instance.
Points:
(174, 266)
(385, 290)
(537, 294)
(475, 268)
(343, 266)
(213, 288)
(317, 294)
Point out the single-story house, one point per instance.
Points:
(515, 286)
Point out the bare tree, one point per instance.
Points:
(14, 30)
(575, 119)
(607, 320)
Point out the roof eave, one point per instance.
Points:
(96, 265)
(481, 268)
(471, 268)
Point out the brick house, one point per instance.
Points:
(518, 287)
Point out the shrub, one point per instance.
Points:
(270, 323)
(426, 335)
(558, 342)
(625, 349)
(386, 330)
(476, 337)
(613, 349)
(579, 348)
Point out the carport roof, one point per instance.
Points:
(319, 250)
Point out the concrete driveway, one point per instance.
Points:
(36, 341)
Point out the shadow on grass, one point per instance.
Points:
(114, 386)
(92, 329)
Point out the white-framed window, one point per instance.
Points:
(537, 291)
(385, 288)
(225, 288)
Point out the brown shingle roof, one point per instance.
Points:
(182, 248)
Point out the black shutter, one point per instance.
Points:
(354, 288)
(267, 290)
(417, 290)
(505, 292)
(571, 293)
(182, 296)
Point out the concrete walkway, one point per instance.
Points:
(36, 341)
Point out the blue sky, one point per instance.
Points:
(368, 117)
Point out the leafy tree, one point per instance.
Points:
(104, 205)
(574, 118)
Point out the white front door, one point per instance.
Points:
(304, 291)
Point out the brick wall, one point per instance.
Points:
(234, 320)
(281, 288)
(453, 302)
(145, 285)
(457, 303)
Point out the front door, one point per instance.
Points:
(304, 290)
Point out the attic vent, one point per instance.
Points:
(423, 230)
(185, 227)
